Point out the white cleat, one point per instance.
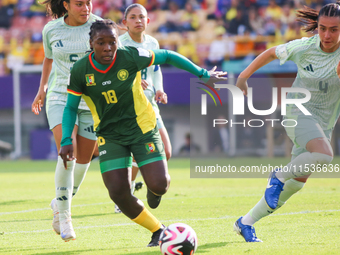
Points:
(66, 229)
(55, 222)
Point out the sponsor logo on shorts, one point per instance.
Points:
(102, 153)
(122, 74)
(150, 147)
(90, 80)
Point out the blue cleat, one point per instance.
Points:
(273, 190)
(248, 232)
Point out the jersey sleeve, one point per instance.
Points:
(142, 58)
(291, 50)
(74, 90)
(158, 77)
(46, 42)
(75, 84)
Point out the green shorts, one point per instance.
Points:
(84, 120)
(114, 156)
(307, 129)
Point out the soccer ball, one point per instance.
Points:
(178, 239)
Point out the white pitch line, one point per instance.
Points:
(165, 198)
(177, 220)
(103, 203)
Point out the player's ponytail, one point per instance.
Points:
(55, 8)
(310, 17)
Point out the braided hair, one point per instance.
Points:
(55, 8)
(310, 17)
(100, 25)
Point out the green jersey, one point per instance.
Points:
(151, 74)
(65, 45)
(316, 73)
(120, 110)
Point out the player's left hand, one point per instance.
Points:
(216, 76)
(161, 97)
(66, 153)
(338, 70)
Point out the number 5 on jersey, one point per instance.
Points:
(110, 96)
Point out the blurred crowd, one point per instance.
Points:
(206, 31)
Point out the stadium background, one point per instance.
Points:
(226, 33)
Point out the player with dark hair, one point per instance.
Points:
(66, 40)
(317, 59)
(136, 20)
(110, 82)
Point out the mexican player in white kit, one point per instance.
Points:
(136, 20)
(317, 59)
(66, 39)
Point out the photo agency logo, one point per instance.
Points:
(238, 105)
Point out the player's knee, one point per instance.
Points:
(161, 186)
(321, 158)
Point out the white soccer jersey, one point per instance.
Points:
(65, 45)
(148, 73)
(316, 73)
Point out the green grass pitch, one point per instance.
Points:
(308, 224)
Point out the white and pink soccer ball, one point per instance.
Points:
(178, 239)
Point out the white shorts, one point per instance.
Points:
(84, 120)
(307, 129)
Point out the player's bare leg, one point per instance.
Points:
(118, 184)
(157, 180)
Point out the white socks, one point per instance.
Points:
(261, 209)
(67, 183)
(302, 165)
(298, 167)
(79, 175)
(64, 187)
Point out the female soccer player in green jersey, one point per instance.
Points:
(65, 41)
(110, 81)
(317, 59)
(136, 20)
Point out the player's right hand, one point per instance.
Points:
(66, 153)
(38, 102)
(242, 84)
(144, 84)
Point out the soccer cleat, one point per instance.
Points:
(55, 222)
(66, 229)
(117, 210)
(155, 237)
(138, 186)
(153, 200)
(248, 232)
(273, 190)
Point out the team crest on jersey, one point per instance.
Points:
(122, 74)
(90, 80)
(150, 147)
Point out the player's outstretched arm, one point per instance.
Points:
(69, 119)
(261, 60)
(179, 61)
